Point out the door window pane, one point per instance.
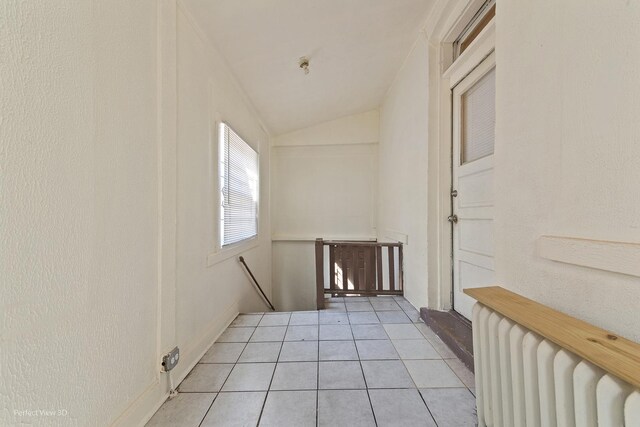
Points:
(479, 119)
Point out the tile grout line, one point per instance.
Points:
(318, 376)
(273, 374)
(435, 344)
(456, 374)
(208, 409)
(366, 386)
(234, 365)
(427, 406)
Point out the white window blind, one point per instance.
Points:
(239, 188)
(479, 119)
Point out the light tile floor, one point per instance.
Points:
(360, 362)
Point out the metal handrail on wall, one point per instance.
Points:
(358, 268)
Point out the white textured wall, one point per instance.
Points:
(323, 185)
(402, 180)
(78, 209)
(211, 288)
(567, 152)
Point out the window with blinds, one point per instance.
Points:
(479, 119)
(239, 188)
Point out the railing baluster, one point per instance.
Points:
(365, 268)
(392, 269)
(400, 270)
(380, 278)
(355, 266)
(344, 265)
(319, 274)
(371, 278)
(332, 268)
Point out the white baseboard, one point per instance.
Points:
(148, 402)
(191, 353)
(142, 409)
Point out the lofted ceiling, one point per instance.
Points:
(355, 48)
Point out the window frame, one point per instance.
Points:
(222, 252)
(481, 19)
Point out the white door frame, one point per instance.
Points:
(445, 24)
(467, 207)
(166, 338)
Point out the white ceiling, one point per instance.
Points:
(355, 48)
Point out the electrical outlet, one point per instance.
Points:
(170, 360)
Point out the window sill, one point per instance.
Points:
(230, 252)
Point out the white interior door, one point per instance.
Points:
(472, 199)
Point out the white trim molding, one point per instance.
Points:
(301, 238)
(479, 49)
(448, 19)
(618, 257)
(396, 236)
(225, 253)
